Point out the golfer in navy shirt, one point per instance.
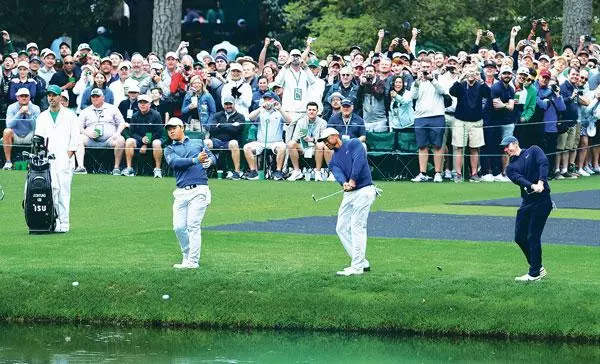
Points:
(351, 169)
(528, 168)
(192, 195)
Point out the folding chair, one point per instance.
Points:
(380, 152)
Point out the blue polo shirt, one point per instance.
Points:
(350, 162)
(504, 93)
(183, 158)
(354, 129)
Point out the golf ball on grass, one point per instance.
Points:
(165, 296)
(75, 284)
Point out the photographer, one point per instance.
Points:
(546, 39)
(179, 84)
(487, 34)
(550, 103)
(238, 88)
(469, 91)
(371, 95)
(568, 140)
(295, 78)
(155, 80)
(429, 119)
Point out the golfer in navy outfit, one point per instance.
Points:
(528, 168)
(192, 195)
(351, 169)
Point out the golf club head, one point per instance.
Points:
(314, 198)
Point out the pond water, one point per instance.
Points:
(89, 344)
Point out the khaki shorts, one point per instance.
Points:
(450, 119)
(472, 130)
(258, 147)
(22, 140)
(568, 140)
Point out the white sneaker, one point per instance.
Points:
(157, 173)
(487, 178)
(447, 175)
(528, 278)
(543, 272)
(589, 170)
(318, 176)
(331, 177)
(501, 178)
(80, 170)
(596, 169)
(582, 172)
(438, 177)
(186, 264)
(420, 178)
(296, 175)
(7, 166)
(350, 271)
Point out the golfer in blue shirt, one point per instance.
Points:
(192, 195)
(351, 169)
(528, 168)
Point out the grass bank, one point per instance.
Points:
(121, 249)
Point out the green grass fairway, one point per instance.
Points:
(121, 248)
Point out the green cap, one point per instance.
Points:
(313, 63)
(54, 90)
(22, 51)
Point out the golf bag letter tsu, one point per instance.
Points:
(38, 205)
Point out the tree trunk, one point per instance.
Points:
(577, 20)
(166, 26)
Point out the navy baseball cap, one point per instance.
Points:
(507, 140)
(347, 102)
(271, 95)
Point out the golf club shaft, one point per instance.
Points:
(328, 196)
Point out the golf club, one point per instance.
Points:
(1, 194)
(324, 197)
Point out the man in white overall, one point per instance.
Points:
(60, 128)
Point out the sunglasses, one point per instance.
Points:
(68, 62)
(346, 74)
(583, 78)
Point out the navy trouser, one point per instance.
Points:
(531, 219)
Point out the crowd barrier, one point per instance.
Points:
(392, 155)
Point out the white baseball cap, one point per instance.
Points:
(174, 122)
(171, 54)
(144, 97)
(22, 91)
(31, 45)
(234, 66)
(327, 133)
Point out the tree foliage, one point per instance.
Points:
(445, 25)
(42, 21)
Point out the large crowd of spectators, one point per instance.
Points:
(471, 100)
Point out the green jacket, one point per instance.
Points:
(529, 107)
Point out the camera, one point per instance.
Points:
(212, 74)
(187, 67)
(580, 92)
(369, 78)
(554, 87)
(589, 38)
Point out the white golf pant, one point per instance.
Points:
(352, 223)
(61, 175)
(189, 207)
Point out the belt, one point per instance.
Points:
(190, 187)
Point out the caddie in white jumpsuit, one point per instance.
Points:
(351, 169)
(192, 195)
(60, 128)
